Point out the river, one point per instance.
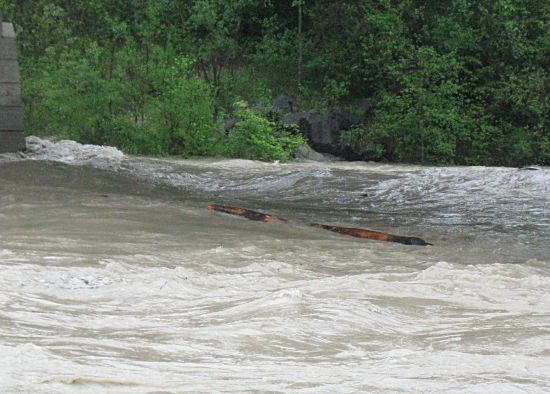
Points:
(115, 278)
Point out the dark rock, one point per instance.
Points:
(324, 131)
(230, 124)
(530, 168)
(356, 113)
(284, 104)
(362, 107)
(306, 152)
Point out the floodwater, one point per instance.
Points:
(115, 278)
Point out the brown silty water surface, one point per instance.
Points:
(117, 278)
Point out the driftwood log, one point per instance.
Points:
(354, 232)
(375, 235)
(247, 213)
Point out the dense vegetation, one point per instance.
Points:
(457, 81)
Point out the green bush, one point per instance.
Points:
(70, 99)
(180, 121)
(256, 137)
(166, 111)
(463, 81)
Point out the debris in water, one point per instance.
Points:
(83, 380)
(375, 235)
(247, 213)
(354, 232)
(529, 168)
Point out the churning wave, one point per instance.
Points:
(110, 286)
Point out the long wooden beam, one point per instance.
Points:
(354, 232)
(247, 213)
(370, 234)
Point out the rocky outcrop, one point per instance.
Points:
(284, 104)
(306, 152)
(324, 130)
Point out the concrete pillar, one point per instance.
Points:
(11, 108)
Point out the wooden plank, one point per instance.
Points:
(247, 213)
(374, 235)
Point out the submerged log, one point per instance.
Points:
(247, 213)
(375, 235)
(354, 232)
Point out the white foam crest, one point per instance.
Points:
(27, 369)
(497, 287)
(8, 157)
(71, 152)
(30, 368)
(254, 178)
(251, 166)
(465, 184)
(280, 301)
(234, 317)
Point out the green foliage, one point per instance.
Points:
(256, 137)
(159, 110)
(181, 119)
(461, 81)
(426, 120)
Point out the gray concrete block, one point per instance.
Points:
(8, 49)
(11, 141)
(9, 71)
(7, 30)
(11, 118)
(11, 113)
(10, 95)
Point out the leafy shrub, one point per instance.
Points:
(462, 81)
(256, 137)
(181, 119)
(166, 111)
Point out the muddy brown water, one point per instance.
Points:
(115, 277)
